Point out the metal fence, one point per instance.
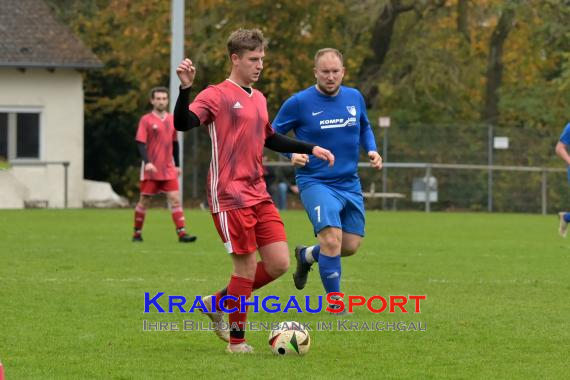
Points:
(463, 187)
(472, 172)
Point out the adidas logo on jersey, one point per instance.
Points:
(237, 105)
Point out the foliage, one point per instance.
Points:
(434, 72)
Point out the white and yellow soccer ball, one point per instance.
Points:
(289, 338)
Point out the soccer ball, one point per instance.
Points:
(289, 338)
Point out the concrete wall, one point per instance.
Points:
(59, 97)
(13, 193)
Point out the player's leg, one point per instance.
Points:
(273, 264)
(350, 244)
(563, 225)
(272, 242)
(147, 190)
(353, 220)
(273, 249)
(241, 287)
(282, 195)
(323, 207)
(173, 197)
(237, 231)
(330, 240)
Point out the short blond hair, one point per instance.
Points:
(245, 39)
(324, 51)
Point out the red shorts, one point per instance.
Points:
(152, 187)
(243, 230)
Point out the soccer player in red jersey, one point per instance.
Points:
(158, 147)
(243, 212)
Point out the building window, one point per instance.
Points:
(19, 135)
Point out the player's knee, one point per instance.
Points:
(144, 201)
(348, 252)
(330, 243)
(277, 266)
(350, 249)
(246, 269)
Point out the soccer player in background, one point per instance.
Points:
(562, 151)
(159, 150)
(332, 116)
(244, 215)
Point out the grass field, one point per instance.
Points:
(72, 295)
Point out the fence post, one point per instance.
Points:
(65, 167)
(427, 189)
(544, 192)
(384, 170)
(490, 175)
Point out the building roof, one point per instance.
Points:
(31, 36)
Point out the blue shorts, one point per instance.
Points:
(330, 207)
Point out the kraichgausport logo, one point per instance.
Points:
(273, 304)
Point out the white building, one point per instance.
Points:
(41, 107)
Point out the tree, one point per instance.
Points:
(495, 65)
(437, 67)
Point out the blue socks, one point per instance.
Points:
(329, 267)
(330, 271)
(310, 254)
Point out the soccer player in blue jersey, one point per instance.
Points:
(332, 116)
(562, 151)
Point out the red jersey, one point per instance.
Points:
(238, 125)
(158, 135)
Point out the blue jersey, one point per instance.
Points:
(565, 136)
(338, 123)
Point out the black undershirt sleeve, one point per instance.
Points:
(142, 151)
(284, 144)
(176, 153)
(184, 119)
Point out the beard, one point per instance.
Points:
(326, 91)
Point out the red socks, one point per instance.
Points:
(238, 286)
(262, 278)
(140, 213)
(178, 219)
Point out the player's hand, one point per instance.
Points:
(149, 167)
(186, 72)
(178, 172)
(375, 159)
(324, 154)
(299, 160)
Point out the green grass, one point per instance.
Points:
(72, 289)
